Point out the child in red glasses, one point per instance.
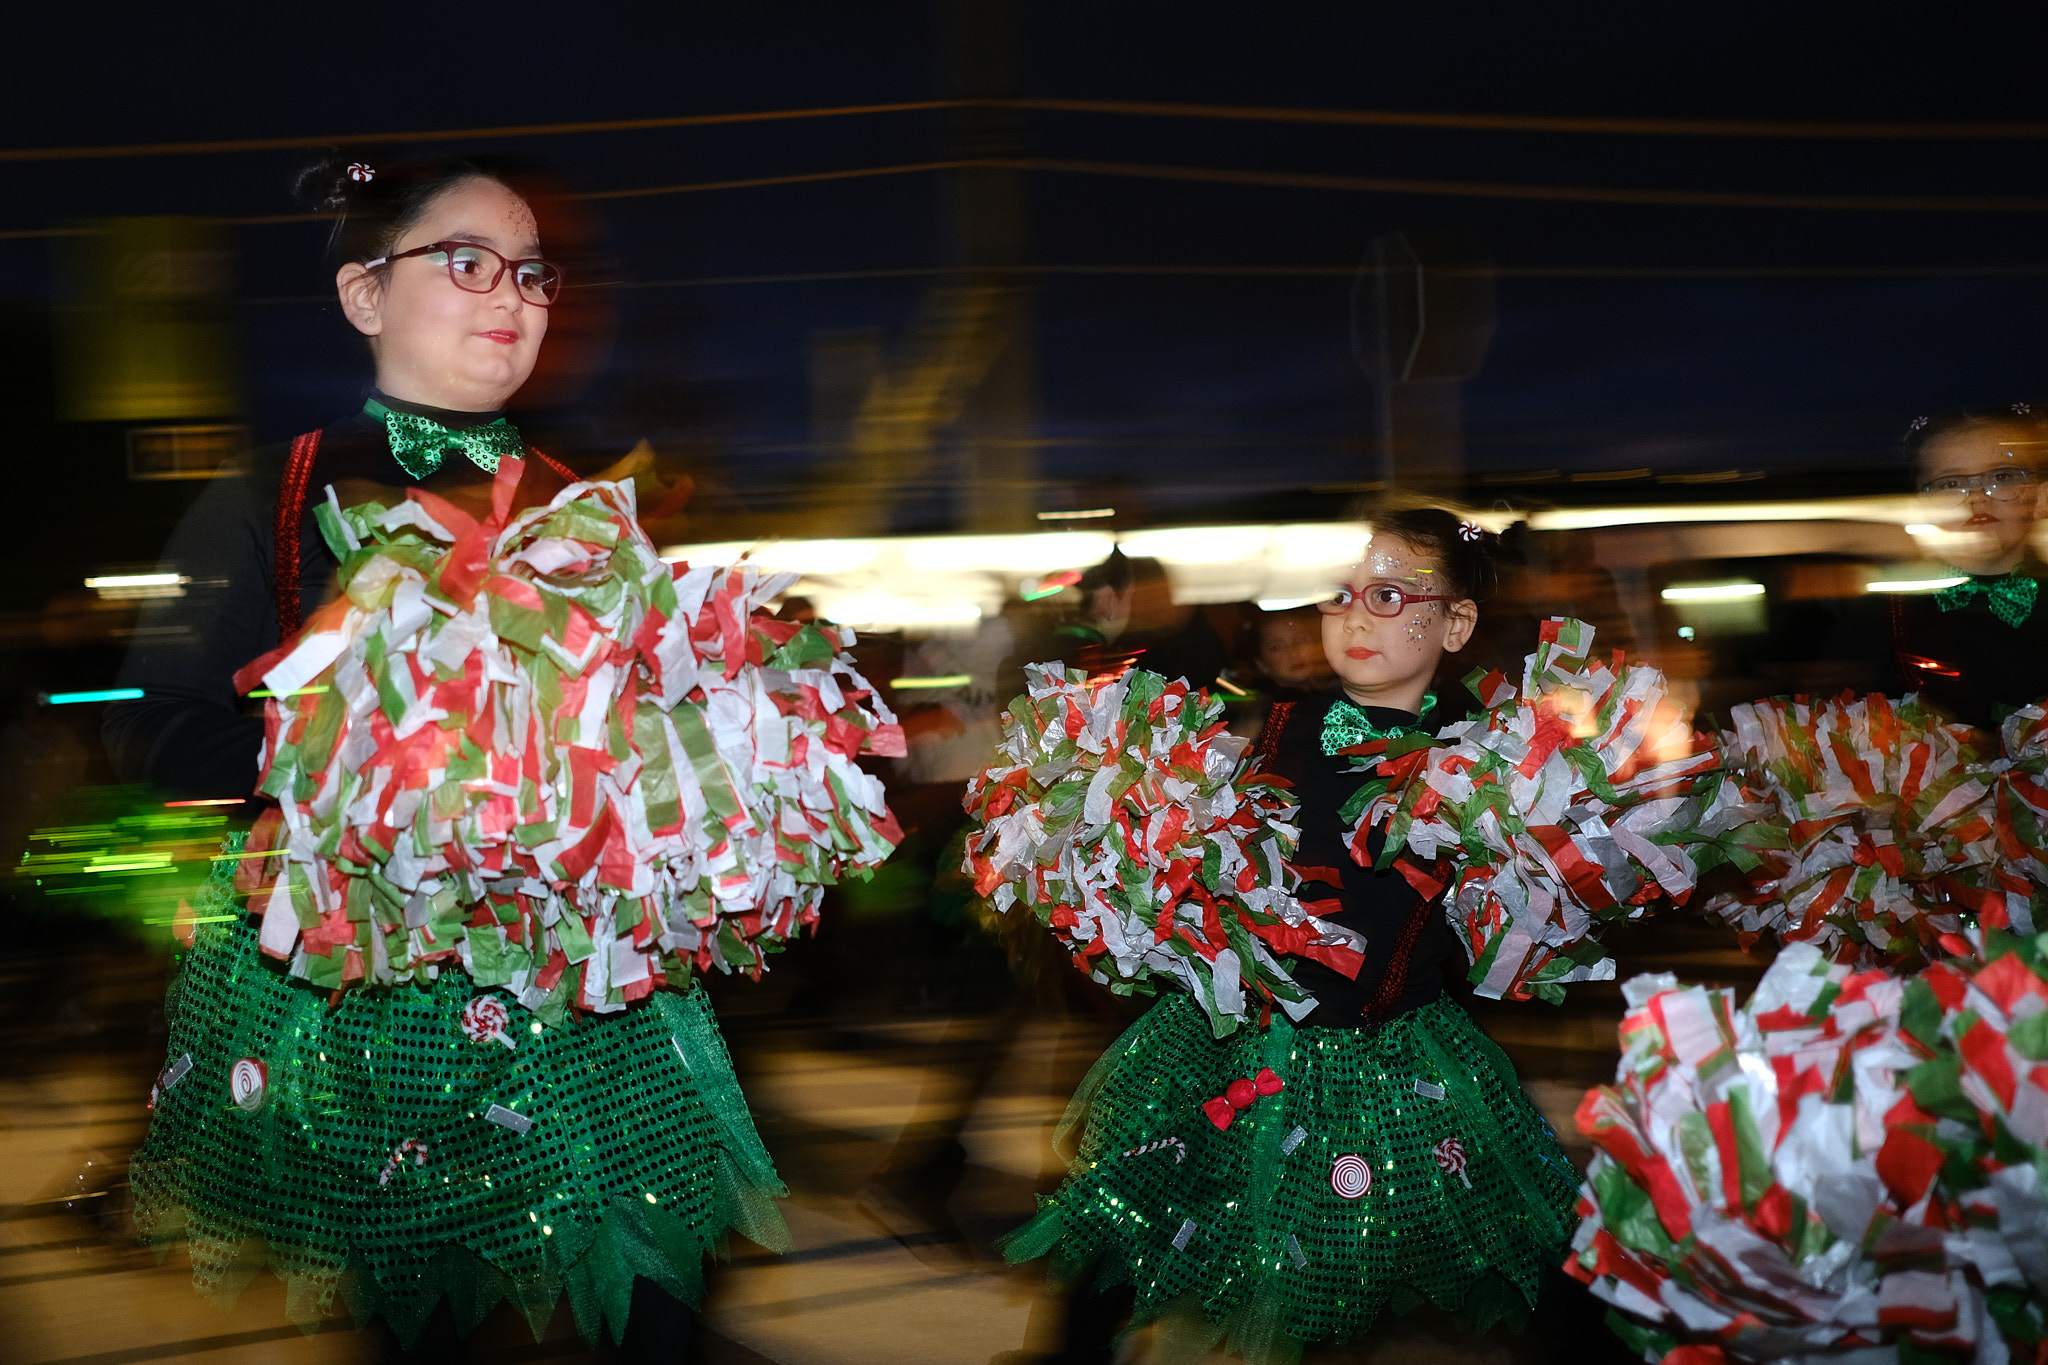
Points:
(1285, 1186)
(1979, 647)
(419, 1151)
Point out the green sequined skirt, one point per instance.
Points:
(395, 1160)
(1462, 1197)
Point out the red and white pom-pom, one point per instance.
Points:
(1124, 815)
(1893, 827)
(530, 748)
(1579, 799)
(361, 173)
(1769, 1186)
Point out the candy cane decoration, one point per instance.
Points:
(1180, 1149)
(411, 1147)
(1450, 1159)
(486, 1017)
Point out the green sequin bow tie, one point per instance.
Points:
(2011, 597)
(420, 444)
(1346, 724)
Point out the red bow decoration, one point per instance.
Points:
(1240, 1094)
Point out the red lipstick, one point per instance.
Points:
(502, 336)
(1360, 652)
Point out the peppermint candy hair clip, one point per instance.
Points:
(1470, 530)
(1917, 424)
(361, 172)
(2023, 409)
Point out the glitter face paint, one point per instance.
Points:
(1381, 660)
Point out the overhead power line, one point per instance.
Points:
(1580, 194)
(1356, 184)
(514, 130)
(1462, 189)
(1820, 130)
(1545, 123)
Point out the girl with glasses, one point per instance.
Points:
(1364, 1092)
(381, 1144)
(1978, 647)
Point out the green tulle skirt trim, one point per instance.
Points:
(1462, 1198)
(392, 1158)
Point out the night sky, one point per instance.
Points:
(1674, 338)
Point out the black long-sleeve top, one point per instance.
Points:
(1967, 662)
(1380, 905)
(190, 735)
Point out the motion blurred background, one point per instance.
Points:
(939, 304)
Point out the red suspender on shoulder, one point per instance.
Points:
(291, 514)
(1268, 746)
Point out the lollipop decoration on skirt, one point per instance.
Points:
(529, 747)
(1123, 815)
(1894, 828)
(1578, 800)
(1847, 1162)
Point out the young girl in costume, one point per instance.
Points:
(1288, 1185)
(382, 1142)
(1979, 648)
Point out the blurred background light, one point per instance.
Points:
(886, 611)
(1712, 592)
(136, 586)
(82, 698)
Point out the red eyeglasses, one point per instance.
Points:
(478, 269)
(1381, 599)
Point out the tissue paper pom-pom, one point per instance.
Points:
(1848, 1162)
(1123, 815)
(2020, 807)
(529, 747)
(1891, 828)
(1577, 800)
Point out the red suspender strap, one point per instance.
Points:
(1268, 747)
(1394, 980)
(291, 515)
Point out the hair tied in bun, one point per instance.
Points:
(1470, 530)
(361, 172)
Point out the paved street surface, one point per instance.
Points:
(835, 1077)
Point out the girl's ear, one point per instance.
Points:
(1461, 619)
(362, 298)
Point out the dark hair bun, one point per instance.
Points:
(1469, 553)
(375, 202)
(1923, 431)
(322, 186)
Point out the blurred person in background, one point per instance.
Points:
(1542, 574)
(1979, 649)
(1279, 657)
(441, 271)
(1128, 618)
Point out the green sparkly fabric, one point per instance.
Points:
(640, 1153)
(1276, 1258)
